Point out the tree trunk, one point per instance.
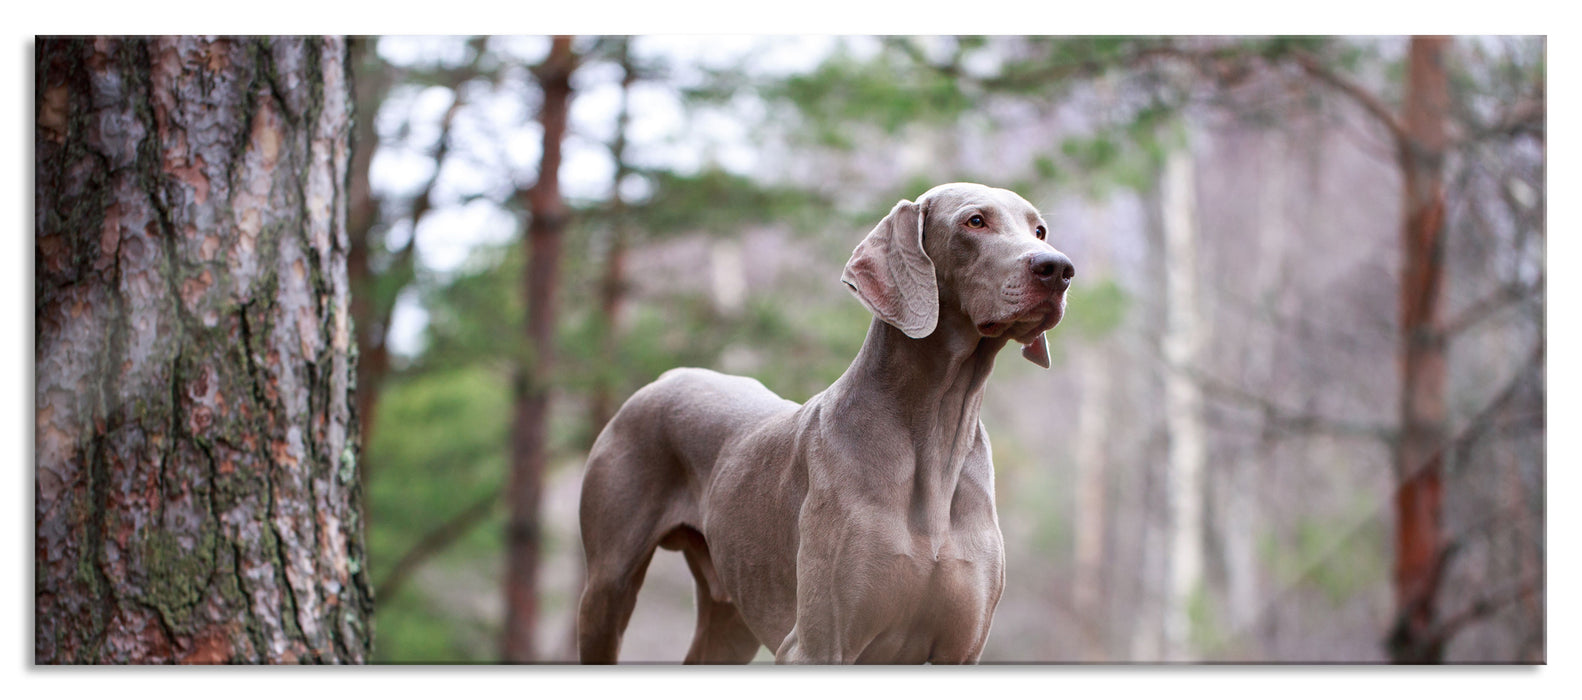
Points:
(612, 300)
(1183, 405)
(528, 429)
(1240, 481)
(1419, 539)
(1092, 446)
(196, 443)
(372, 319)
(612, 287)
(376, 286)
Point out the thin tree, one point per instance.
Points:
(1420, 136)
(1181, 343)
(1420, 543)
(196, 498)
(612, 286)
(370, 311)
(548, 216)
(377, 281)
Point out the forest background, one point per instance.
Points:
(1283, 168)
(1214, 468)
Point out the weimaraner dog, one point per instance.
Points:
(858, 527)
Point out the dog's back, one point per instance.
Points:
(682, 420)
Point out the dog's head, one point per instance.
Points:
(965, 249)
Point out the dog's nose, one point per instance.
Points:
(1053, 270)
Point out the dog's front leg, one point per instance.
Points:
(854, 581)
(817, 636)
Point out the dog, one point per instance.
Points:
(858, 527)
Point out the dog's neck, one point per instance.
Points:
(935, 386)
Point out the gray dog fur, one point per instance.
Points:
(858, 527)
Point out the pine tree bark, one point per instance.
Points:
(529, 453)
(1419, 537)
(196, 443)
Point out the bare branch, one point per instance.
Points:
(1526, 116)
(1282, 418)
(1484, 607)
(1483, 308)
(1484, 420)
(436, 541)
(1365, 99)
(402, 266)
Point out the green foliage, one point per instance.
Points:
(1033, 486)
(1338, 555)
(411, 632)
(717, 202)
(889, 92)
(1047, 66)
(803, 347)
(1204, 627)
(443, 444)
(1095, 308)
(432, 626)
(1126, 152)
(1280, 46)
(477, 315)
(1491, 78)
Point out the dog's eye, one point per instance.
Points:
(1039, 232)
(976, 221)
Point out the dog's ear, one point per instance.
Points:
(1037, 352)
(892, 275)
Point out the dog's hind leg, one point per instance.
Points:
(607, 602)
(623, 505)
(608, 598)
(721, 637)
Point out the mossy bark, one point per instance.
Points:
(196, 442)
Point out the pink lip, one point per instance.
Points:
(1043, 316)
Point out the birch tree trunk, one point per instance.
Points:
(1183, 405)
(1092, 446)
(195, 492)
(1092, 461)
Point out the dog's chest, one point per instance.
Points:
(944, 610)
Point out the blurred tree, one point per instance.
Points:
(534, 379)
(197, 442)
(1421, 138)
(612, 283)
(451, 397)
(1294, 553)
(370, 310)
(1420, 547)
(446, 428)
(1181, 343)
(1121, 145)
(378, 276)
